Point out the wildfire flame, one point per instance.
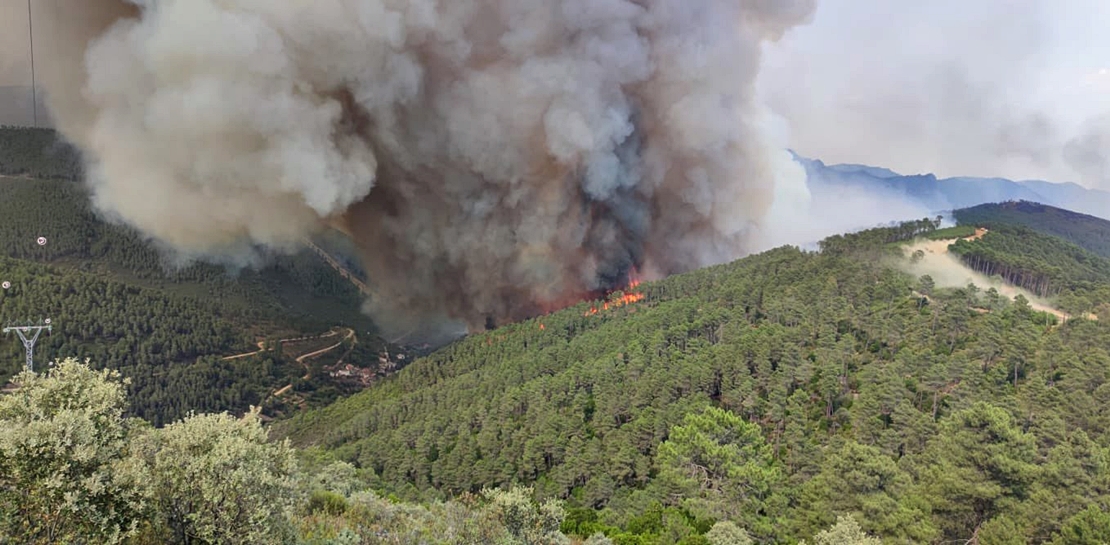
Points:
(619, 298)
(616, 298)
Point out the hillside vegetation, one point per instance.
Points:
(205, 479)
(37, 153)
(1040, 263)
(825, 396)
(1088, 232)
(1051, 252)
(75, 469)
(776, 392)
(114, 297)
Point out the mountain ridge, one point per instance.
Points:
(943, 194)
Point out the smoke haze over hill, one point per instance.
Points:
(491, 158)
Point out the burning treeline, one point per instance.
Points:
(620, 298)
(492, 159)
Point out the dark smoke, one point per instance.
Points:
(492, 159)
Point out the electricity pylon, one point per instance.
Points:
(28, 342)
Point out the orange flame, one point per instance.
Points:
(619, 298)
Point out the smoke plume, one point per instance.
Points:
(491, 158)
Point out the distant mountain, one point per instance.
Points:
(877, 172)
(951, 193)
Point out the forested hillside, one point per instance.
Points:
(75, 469)
(789, 395)
(1048, 251)
(776, 392)
(1045, 265)
(114, 297)
(1088, 232)
(37, 153)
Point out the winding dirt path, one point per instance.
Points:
(261, 348)
(262, 344)
(301, 359)
(947, 270)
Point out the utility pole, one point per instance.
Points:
(28, 342)
(34, 83)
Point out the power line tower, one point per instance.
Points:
(29, 342)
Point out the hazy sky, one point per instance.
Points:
(61, 29)
(15, 65)
(955, 87)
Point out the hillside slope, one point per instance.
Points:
(114, 297)
(1089, 232)
(852, 379)
(37, 153)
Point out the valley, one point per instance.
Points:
(775, 395)
(97, 280)
(585, 272)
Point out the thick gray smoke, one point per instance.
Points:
(491, 158)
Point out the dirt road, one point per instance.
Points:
(262, 344)
(348, 275)
(301, 359)
(948, 271)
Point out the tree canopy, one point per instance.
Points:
(778, 392)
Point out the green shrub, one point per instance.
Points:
(326, 502)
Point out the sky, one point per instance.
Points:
(15, 65)
(1011, 88)
(57, 32)
(953, 87)
(15, 68)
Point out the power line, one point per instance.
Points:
(34, 84)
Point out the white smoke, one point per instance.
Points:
(491, 158)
